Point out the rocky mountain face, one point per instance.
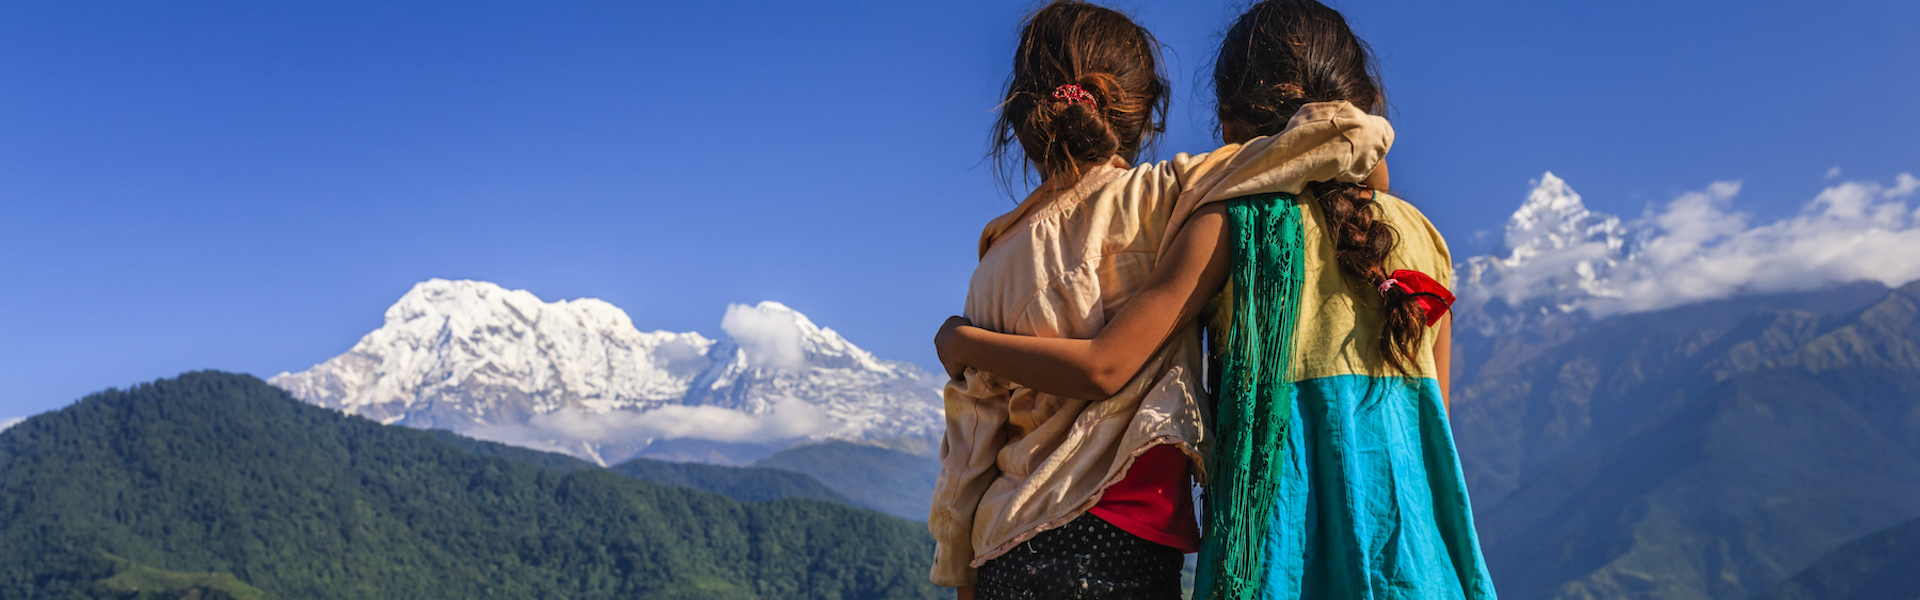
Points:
(1708, 451)
(578, 377)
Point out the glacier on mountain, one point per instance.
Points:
(578, 377)
(1562, 261)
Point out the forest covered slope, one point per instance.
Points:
(221, 474)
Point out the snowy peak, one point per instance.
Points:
(444, 337)
(773, 337)
(1556, 254)
(1554, 218)
(1561, 261)
(466, 305)
(577, 376)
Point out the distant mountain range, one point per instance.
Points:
(1709, 451)
(213, 485)
(1558, 261)
(578, 377)
(1713, 450)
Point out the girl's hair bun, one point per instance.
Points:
(1072, 132)
(1070, 50)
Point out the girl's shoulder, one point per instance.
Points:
(1418, 244)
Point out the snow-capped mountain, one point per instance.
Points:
(578, 377)
(1555, 254)
(775, 357)
(1561, 262)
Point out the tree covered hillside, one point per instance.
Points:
(747, 484)
(215, 473)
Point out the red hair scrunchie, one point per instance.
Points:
(1074, 94)
(1433, 297)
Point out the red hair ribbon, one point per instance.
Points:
(1433, 297)
(1074, 94)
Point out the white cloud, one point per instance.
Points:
(1833, 172)
(1698, 248)
(566, 429)
(770, 334)
(1903, 185)
(790, 420)
(7, 423)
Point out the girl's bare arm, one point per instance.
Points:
(1192, 271)
(1189, 275)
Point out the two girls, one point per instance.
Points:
(1076, 417)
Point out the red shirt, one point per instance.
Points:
(1154, 500)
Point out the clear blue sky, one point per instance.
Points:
(247, 185)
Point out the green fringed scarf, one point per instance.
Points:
(1255, 401)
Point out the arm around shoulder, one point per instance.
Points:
(1186, 277)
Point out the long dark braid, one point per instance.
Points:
(1282, 55)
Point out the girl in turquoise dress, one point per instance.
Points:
(1336, 475)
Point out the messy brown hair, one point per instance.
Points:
(1103, 52)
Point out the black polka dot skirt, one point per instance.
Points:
(1086, 559)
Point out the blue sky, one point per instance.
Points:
(247, 186)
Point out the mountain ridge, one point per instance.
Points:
(576, 376)
(1697, 452)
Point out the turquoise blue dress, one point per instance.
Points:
(1373, 505)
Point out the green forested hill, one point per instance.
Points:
(213, 473)
(747, 484)
(551, 460)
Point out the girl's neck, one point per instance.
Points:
(1064, 180)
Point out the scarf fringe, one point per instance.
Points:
(1255, 402)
